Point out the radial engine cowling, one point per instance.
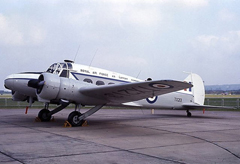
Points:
(48, 87)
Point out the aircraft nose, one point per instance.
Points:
(9, 82)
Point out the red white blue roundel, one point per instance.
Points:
(152, 100)
(160, 86)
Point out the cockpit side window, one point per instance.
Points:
(54, 67)
(51, 69)
(58, 69)
(64, 73)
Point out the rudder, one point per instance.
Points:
(198, 89)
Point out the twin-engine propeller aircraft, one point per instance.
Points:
(66, 82)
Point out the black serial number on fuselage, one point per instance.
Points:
(177, 99)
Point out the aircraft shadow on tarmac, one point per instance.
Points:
(103, 119)
(144, 117)
(192, 117)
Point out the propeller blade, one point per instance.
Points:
(41, 83)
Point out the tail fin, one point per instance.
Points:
(198, 89)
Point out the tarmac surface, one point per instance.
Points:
(121, 136)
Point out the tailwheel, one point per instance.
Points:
(44, 115)
(74, 120)
(189, 114)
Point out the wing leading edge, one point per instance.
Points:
(121, 93)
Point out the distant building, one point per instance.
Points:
(223, 89)
(4, 92)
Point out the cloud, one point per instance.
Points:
(147, 17)
(226, 15)
(112, 13)
(189, 3)
(129, 65)
(206, 40)
(193, 3)
(228, 43)
(16, 33)
(8, 34)
(217, 57)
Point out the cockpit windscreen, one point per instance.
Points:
(61, 69)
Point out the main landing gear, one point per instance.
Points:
(189, 114)
(75, 118)
(45, 115)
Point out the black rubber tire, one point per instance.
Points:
(73, 119)
(189, 114)
(43, 115)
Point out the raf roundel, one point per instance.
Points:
(160, 86)
(152, 100)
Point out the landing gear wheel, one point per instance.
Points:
(189, 114)
(43, 115)
(74, 120)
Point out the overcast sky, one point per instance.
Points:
(160, 38)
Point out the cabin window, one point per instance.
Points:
(88, 80)
(110, 83)
(100, 83)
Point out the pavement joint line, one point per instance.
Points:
(211, 142)
(165, 159)
(68, 155)
(120, 150)
(15, 159)
(227, 141)
(165, 146)
(130, 150)
(212, 130)
(117, 149)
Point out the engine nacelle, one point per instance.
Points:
(16, 96)
(54, 89)
(49, 86)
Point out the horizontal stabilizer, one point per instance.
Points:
(197, 106)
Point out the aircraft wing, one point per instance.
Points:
(197, 106)
(127, 92)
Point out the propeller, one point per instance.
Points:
(37, 83)
(13, 92)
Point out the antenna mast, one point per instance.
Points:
(76, 53)
(139, 73)
(93, 58)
